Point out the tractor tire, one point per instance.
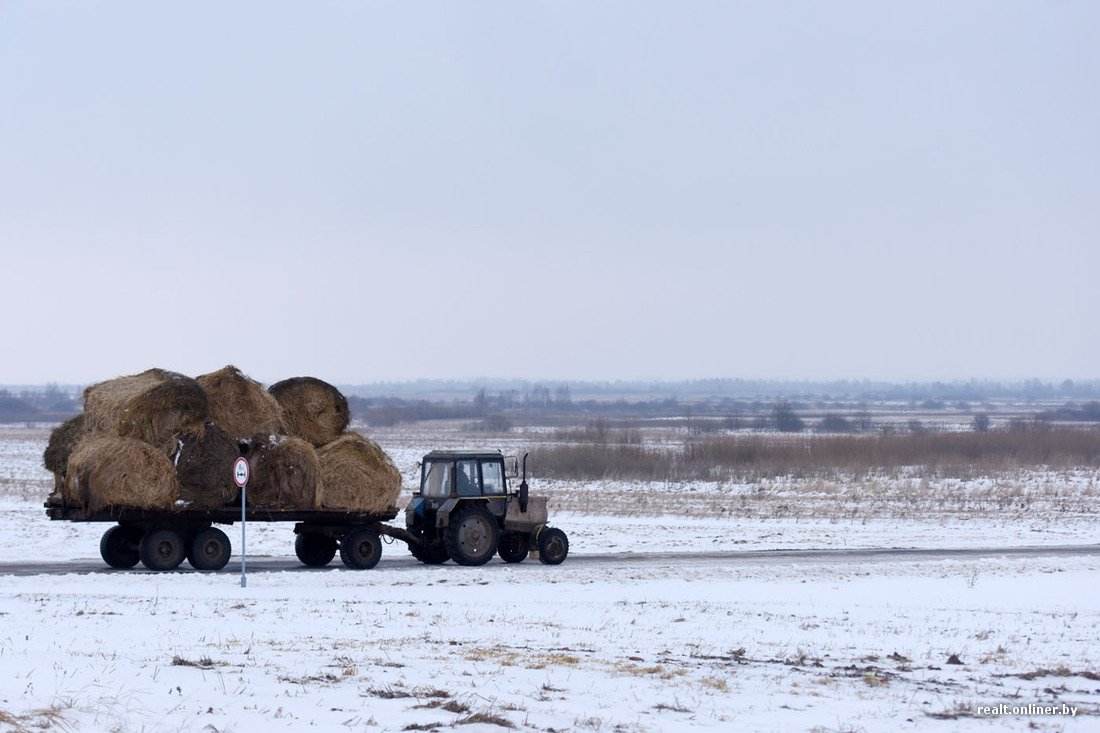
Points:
(361, 549)
(430, 553)
(514, 546)
(553, 546)
(161, 549)
(210, 550)
(472, 536)
(314, 549)
(119, 546)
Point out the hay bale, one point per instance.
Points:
(358, 475)
(107, 470)
(154, 406)
(285, 473)
(240, 405)
(204, 468)
(313, 410)
(63, 439)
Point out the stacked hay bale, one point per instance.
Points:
(358, 475)
(239, 405)
(161, 440)
(313, 410)
(286, 473)
(109, 470)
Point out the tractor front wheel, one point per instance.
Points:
(553, 546)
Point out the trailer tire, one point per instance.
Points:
(314, 549)
(210, 550)
(161, 549)
(361, 549)
(514, 547)
(553, 546)
(430, 553)
(472, 536)
(119, 546)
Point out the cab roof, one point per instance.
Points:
(458, 455)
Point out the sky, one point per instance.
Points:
(390, 191)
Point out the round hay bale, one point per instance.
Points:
(106, 470)
(313, 410)
(240, 405)
(63, 439)
(285, 473)
(204, 468)
(358, 475)
(154, 406)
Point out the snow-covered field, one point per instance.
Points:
(605, 642)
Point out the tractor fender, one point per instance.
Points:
(443, 513)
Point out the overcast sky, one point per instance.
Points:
(368, 191)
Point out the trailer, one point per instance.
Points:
(463, 511)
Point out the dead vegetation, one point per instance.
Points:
(747, 457)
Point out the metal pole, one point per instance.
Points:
(244, 523)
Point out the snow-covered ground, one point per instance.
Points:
(619, 644)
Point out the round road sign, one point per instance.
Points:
(240, 472)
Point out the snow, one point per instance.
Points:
(615, 639)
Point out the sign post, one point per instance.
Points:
(240, 475)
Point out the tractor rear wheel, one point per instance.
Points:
(472, 536)
(514, 546)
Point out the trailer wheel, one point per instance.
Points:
(210, 550)
(514, 546)
(361, 549)
(161, 549)
(315, 549)
(553, 546)
(119, 546)
(472, 536)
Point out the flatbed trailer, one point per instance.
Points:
(161, 539)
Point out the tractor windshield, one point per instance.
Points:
(436, 479)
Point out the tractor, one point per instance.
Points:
(464, 512)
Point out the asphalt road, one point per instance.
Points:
(395, 558)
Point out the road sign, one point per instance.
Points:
(240, 472)
(240, 475)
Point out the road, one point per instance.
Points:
(396, 560)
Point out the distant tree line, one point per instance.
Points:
(50, 404)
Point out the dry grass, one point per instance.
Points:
(756, 456)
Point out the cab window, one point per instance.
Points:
(492, 476)
(467, 479)
(436, 481)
